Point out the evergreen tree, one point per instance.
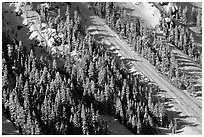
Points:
(54, 64)
(139, 126)
(184, 16)
(102, 76)
(26, 95)
(118, 25)
(92, 70)
(4, 81)
(12, 105)
(176, 36)
(199, 22)
(193, 15)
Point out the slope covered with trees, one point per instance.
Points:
(40, 97)
(150, 46)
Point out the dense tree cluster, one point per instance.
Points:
(42, 98)
(180, 37)
(185, 17)
(150, 46)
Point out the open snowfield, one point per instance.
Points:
(144, 10)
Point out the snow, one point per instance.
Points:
(180, 100)
(151, 14)
(8, 127)
(189, 130)
(171, 6)
(115, 127)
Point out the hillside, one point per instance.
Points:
(99, 68)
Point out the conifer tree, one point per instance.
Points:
(12, 106)
(184, 16)
(199, 22)
(139, 126)
(102, 76)
(92, 71)
(193, 15)
(118, 25)
(4, 81)
(26, 96)
(54, 64)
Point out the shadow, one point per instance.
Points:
(181, 122)
(100, 36)
(182, 62)
(168, 106)
(173, 113)
(93, 30)
(8, 127)
(183, 116)
(177, 132)
(129, 59)
(114, 49)
(128, 9)
(164, 131)
(186, 61)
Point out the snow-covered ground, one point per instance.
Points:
(181, 102)
(188, 106)
(115, 127)
(144, 10)
(8, 127)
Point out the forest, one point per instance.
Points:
(40, 96)
(147, 44)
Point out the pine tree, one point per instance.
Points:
(33, 71)
(139, 126)
(43, 78)
(107, 91)
(134, 124)
(184, 43)
(67, 14)
(118, 25)
(184, 16)
(63, 92)
(37, 127)
(4, 81)
(176, 36)
(57, 100)
(26, 96)
(83, 113)
(112, 83)
(92, 71)
(28, 125)
(108, 13)
(20, 120)
(54, 64)
(193, 15)
(93, 87)
(32, 56)
(68, 65)
(12, 105)
(199, 22)
(102, 76)
(37, 77)
(179, 12)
